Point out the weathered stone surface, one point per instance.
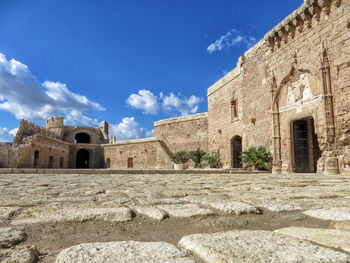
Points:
(326, 237)
(257, 246)
(340, 225)
(6, 212)
(78, 214)
(21, 255)
(332, 213)
(187, 210)
(234, 207)
(125, 251)
(151, 211)
(10, 236)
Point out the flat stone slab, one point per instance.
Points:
(258, 246)
(333, 213)
(6, 212)
(151, 212)
(326, 237)
(10, 236)
(234, 207)
(187, 210)
(24, 255)
(76, 214)
(340, 225)
(125, 251)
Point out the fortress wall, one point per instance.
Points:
(145, 153)
(288, 57)
(183, 133)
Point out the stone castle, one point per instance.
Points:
(290, 93)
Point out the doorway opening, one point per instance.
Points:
(305, 147)
(50, 166)
(82, 160)
(236, 151)
(108, 163)
(36, 159)
(130, 162)
(61, 162)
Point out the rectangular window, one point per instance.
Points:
(234, 110)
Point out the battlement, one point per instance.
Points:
(57, 122)
(27, 129)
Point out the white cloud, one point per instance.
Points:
(22, 95)
(230, 39)
(128, 129)
(13, 132)
(145, 100)
(185, 106)
(6, 135)
(152, 104)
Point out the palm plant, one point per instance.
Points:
(212, 160)
(257, 158)
(181, 157)
(197, 157)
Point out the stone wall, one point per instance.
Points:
(27, 129)
(183, 133)
(46, 147)
(291, 74)
(96, 134)
(141, 153)
(4, 154)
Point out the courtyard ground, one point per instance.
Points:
(174, 218)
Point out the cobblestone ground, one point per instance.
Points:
(174, 218)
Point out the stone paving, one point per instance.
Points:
(49, 200)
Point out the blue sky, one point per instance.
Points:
(125, 61)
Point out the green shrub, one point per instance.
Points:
(197, 157)
(212, 160)
(257, 158)
(181, 157)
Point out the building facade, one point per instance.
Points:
(290, 93)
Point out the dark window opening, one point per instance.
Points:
(82, 138)
(234, 110)
(82, 159)
(108, 163)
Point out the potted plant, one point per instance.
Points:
(180, 159)
(256, 158)
(197, 157)
(212, 160)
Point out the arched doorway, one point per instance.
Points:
(82, 138)
(305, 147)
(130, 162)
(236, 151)
(82, 160)
(61, 162)
(50, 166)
(108, 163)
(36, 159)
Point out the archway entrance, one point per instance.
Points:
(305, 148)
(36, 159)
(50, 162)
(130, 162)
(236, 151)
(82, 160)
(82, 138)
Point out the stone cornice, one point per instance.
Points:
(299, 20)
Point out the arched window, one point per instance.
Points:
(130, 162)
(82, 138)
(36, 159)
(61, 162)
(50, 162)
(108, 163)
